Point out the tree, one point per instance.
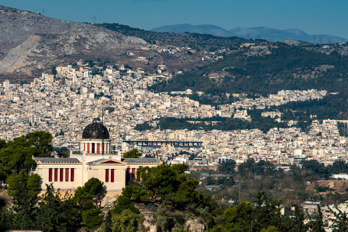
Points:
(88, 196)
(236, 218)
(126, 221)
(2, 144)
(55, 214)
(6, 216)
(16, 155)
(14, 159)
(134, 153)
(30, 182)
(227, 166)
(340, 221)
(108, 222)
(87, 199)
(24, 201)
(316, 224)
(41, 141)
(92, 218)
(54, 71)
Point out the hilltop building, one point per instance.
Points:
(94, 159)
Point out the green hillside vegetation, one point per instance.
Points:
(251, 177)
(265, 74)
(286, 67)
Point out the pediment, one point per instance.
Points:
(107, 162)
(110, 162)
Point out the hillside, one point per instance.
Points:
(261, 70)
(31, 44)
(266, 33)
(194, 40)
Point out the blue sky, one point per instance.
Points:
(312, 16)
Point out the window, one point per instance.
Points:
(67, 175)
(106, 175)
(112, 175)
(50, 172)
(98, 148)
(61, 174)
(72, 176)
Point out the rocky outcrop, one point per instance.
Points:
(156, 219)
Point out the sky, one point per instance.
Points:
(311, 16)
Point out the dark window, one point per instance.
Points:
(50, 175)
(72, 176)
(112, 175)
(61, 175)
(106, 175)
(67, 175)
(93, 147)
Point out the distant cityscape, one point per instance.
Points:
(67, 102)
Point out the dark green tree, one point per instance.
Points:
(87, 201)
(134, 153)
(24, 202)
(54, 71)
(340, 221)
(56, 214)
(316, 224)
(108, 222)
(227, 166)
(92, 218)
(126, 221)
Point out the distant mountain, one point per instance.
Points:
(266, 33)
(201, 29)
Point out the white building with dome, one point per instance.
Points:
(93, 159)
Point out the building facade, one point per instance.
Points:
(93, 159)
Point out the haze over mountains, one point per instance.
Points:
(266, 33)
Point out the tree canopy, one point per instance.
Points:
(134, 153)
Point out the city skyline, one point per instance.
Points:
(313, 17)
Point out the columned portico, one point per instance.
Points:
(95, 146)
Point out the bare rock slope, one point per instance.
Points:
(30, 43)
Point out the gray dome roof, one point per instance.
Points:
(95, 130)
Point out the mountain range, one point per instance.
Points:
(31, 43)
(266, 33)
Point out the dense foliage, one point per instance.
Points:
(52, 211)
(134, 153)
(169, 193)
(305, 181)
